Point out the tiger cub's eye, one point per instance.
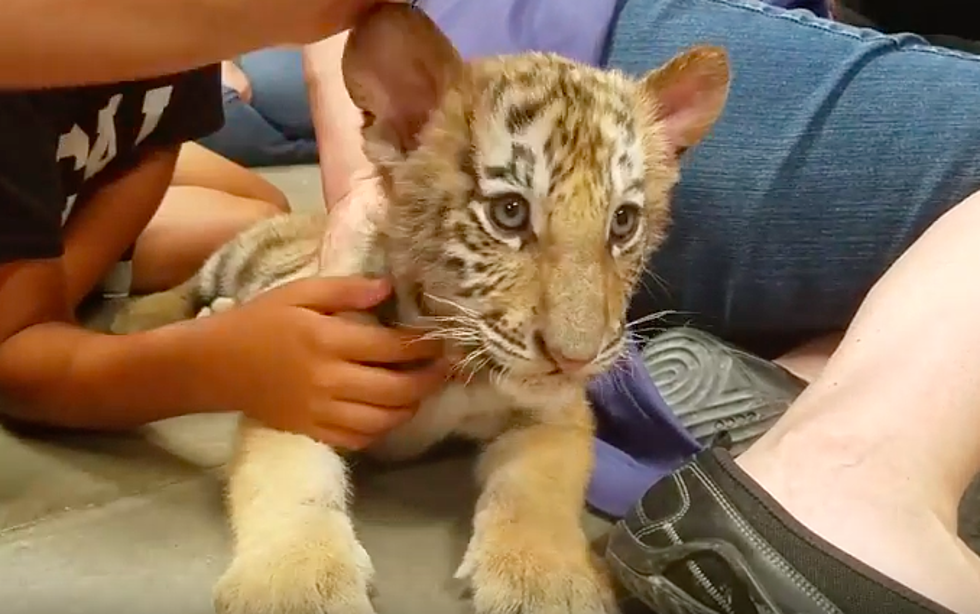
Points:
(511, 213)
(624, 223)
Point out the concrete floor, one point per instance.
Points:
(93, 524)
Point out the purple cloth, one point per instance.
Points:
(485, 27)
(639, 439)
(576, 30)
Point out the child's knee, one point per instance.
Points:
(262, 209)
(280, 202)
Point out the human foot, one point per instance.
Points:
(868, 510)
(709, 540)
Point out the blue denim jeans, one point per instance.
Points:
(276, 127)
(838, 147)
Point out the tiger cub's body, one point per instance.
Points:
(289, 247)
(524, 195)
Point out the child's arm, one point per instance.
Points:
(119, 40)
(55, 372)
(111, 220)
(336, 120)
(69, 376)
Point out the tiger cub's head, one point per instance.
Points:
(526, 192)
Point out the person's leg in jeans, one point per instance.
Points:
(821, 171)
(279, 91)
(248, 139)
(817, 176)
(838, 148)
(275, 127)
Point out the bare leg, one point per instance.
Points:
(808, 361)
(210, 201)
(876, 454)
(201, 167)
(192, 222)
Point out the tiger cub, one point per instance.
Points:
(525, 194)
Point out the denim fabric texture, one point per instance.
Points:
(275, 128)
(837, 148)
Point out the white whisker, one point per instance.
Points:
(451, 303)
(650, 317)
(486, 360)
(470, 358)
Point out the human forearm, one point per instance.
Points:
(62, 375)
(336, 120)
(111, 221)
(47, 43)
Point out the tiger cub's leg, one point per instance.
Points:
(217, 306)
(295, 549)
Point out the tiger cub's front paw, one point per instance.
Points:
(534, 572)
(217, 306)
(320, 568)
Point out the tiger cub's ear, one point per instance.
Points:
(397, 67)
(686, 95)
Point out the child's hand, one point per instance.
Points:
(294, 366)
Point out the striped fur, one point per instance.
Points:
(560, 147)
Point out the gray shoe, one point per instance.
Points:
(715, 389)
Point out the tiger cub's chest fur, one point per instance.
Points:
(475, 411)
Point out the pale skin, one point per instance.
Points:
(210, 200)
(877, 453)
(808, 360)
(337, 121)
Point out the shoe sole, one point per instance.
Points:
(715, 388)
